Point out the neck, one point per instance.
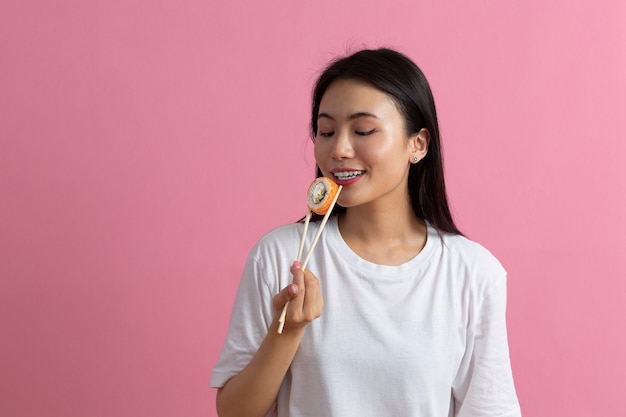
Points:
(384, 236)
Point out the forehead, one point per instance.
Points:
(354, 95)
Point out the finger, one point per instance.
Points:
(313, 301)
(296, 271)
(286, 294)
(292, 290)
(298, 281)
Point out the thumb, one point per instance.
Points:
(298, 274)
(288, 293)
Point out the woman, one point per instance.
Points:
(396, 314)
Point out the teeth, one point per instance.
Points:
(346, 175)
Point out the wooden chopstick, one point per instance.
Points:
(283, 313)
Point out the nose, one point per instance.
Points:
(342, 146)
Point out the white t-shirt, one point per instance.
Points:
(426, 338)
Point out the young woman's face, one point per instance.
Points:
(362, 144)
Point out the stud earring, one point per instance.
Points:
(415, 159)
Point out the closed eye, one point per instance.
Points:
(326, 134)
(367, 133)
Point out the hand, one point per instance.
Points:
(304, 296)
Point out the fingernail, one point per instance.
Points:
(296, 264)
(293, 290)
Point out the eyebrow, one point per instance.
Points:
(351, 117)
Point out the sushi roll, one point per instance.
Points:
(321, 194)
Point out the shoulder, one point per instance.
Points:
(271, 256)
(280, 242)
(471, 257)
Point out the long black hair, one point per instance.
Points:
(395, 74)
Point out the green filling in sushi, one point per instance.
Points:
(318, 193)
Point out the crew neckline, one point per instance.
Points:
(392, 271)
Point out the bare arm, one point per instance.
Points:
(253, 391)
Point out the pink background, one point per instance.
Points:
(140, 140)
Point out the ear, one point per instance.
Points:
(418, 145)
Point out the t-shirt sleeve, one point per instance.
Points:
(483, 386)
(250, 320)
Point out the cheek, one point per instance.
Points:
(317, 152)
(372, 154)
(320, 149)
